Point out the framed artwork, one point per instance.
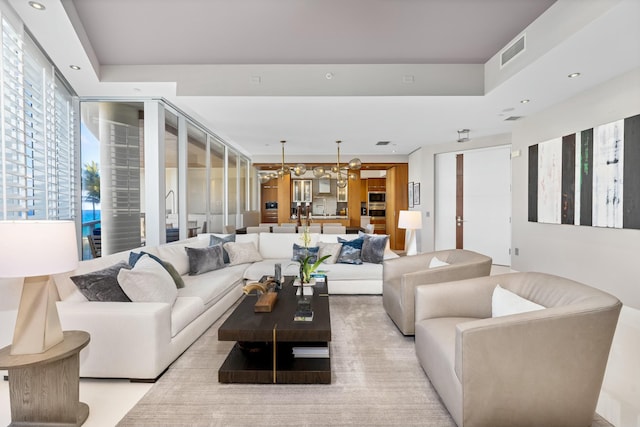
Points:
(411, 194)
(416, 193)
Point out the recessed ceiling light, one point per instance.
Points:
(525, 101)
(74, 67)
(36, 5)
(328, 76)
(573, 75)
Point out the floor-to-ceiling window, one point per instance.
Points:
(216, 186)
(112, 159)
(171, 155)
(196, 177)
(232, 173)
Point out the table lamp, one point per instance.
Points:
(411, 221)
(35, 249)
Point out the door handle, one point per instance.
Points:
(459, 221)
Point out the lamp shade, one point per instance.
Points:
(37, 248)
(410, 220)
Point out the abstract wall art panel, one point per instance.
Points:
(631, 195)
(608, 162)
(588, 178)
(549, 181)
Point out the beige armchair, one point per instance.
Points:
(402, 275)
(539, 368)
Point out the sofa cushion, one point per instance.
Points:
(211, 287)
(148, 281)
(373, 248)
(278, 245)
(266, 267)
(177, 256)
(221, 240)
(185, 310)
(435, 262)
(177, 279)
(504, 302)
(242, 253)
(331, 249)
(102, 285)
(202, 260)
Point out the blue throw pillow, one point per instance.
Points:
(300, 252)
(355, 243)
(349, 255)
(215, 240)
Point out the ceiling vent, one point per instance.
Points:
(512, 118)
(383, 142)
(513, 50)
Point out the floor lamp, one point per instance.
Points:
(411, 221)
(43, 363)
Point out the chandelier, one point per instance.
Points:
(342, 172)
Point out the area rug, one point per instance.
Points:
(376, 381)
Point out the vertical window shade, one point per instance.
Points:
(37, 134)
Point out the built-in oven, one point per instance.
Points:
(376, 196)
(377, 213)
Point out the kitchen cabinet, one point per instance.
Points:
(343, 194)
(301, 190)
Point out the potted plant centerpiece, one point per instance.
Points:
(307, 263)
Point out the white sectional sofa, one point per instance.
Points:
(139, 340)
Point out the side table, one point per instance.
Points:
(44, 388)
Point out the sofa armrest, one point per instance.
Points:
(122, 333)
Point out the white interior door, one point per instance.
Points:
(486, 221)
(445, 201)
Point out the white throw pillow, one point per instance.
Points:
(505, 302)
(243, 253)
(148, 281)
(331, 249)
(435, 262)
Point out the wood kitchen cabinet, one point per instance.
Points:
(301, 190)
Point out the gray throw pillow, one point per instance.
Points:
(177, 279)
(349, 255)
(215, 240)
(102, 285)
(202, 260)
(373, 248)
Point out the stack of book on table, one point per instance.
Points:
(310, 352)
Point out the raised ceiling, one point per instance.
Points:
(410, 72)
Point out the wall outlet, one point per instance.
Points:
(427, 214)
(516, 251)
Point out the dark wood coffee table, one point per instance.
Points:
(263, 353)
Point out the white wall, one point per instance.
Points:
(604, 258)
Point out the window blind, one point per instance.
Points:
(37, 133)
